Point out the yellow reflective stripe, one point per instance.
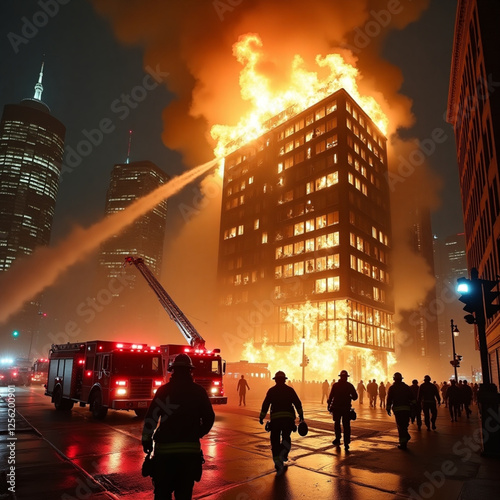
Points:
(400, 408)
(165, 448)
(282, 414)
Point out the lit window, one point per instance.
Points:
(264, 237)
(298, 268)
(298, 228)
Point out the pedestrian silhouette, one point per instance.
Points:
(325, 389)
(454, 397)
(382, 393)
(242, 390)
(467, 397)
(282, 399)
(416, 410)
(185, 414)
(360, 388)
(399, 400)
(339, 405)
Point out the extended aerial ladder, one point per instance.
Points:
(185, 326)
(209, 367)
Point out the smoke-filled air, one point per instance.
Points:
(33, 274)
(232, 65)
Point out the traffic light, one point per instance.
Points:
(489, 297)
(306, 360)
(455, 362)
(15, 334)
(471, 297)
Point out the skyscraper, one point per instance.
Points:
(31, 151)
(419, 327)
(474, 112)
(143, 238)
(451, 264)
(305, 220)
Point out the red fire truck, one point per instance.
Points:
(39, 371)
(209, 366)
(103, 375)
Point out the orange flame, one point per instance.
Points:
(324, 356)
(305, 89)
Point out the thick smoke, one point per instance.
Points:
(193, 41)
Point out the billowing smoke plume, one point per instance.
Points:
(193, 41)
(31, 275)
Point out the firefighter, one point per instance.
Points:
(400, 400)
(282, 398)
(339, 405)
(428, 394)
(184, 414)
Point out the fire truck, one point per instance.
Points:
(103, 375)
(209, 366)
(39, 371)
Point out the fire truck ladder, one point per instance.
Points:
(185, 326)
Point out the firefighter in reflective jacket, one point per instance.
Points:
(184, 414)
(282, 398)
(399, 400)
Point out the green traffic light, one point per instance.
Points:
(15, 333)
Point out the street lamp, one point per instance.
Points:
(454, 333)
(303, 357)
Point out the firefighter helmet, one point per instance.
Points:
(344, 373)
(181, 360)
(302, 428)
(397, 376)
(280, 375)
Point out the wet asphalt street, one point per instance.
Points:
(71, 456)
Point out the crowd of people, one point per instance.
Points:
(460, 398)
(181, 413)
(407, 402)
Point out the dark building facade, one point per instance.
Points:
(474, 112)
(451, 264)
(31, 152)
(306, 219)
(143, 238)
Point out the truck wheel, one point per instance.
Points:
(141, 412)
(61, 404)
(96, 407)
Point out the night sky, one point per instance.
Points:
(89, 74)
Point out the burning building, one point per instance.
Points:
(304, 243)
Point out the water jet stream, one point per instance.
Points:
(34, 273)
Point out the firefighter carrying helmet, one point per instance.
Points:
(181, 360)
(302, 428)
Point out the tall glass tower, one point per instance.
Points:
(31, 153)
(133, 310)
